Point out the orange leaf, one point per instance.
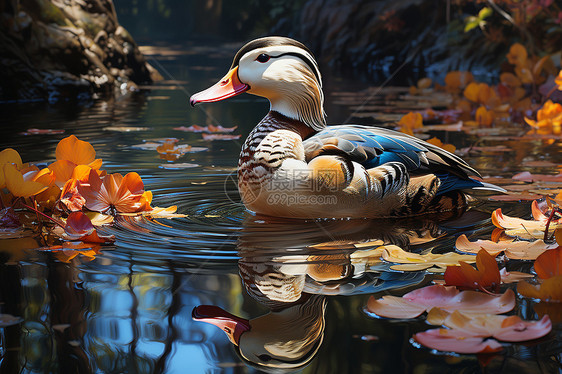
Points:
(549, 264)
(549, 290)
(465, 276)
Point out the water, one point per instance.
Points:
(302, 285)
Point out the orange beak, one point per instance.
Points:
(232, 325)
(227, 87)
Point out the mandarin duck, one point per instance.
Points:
(293, 165)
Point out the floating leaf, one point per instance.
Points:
(416, 262)
(208, 129)
(549, 264)
(416, 302)
(169, 212)
(487, 276)
(528, 177)
(453, 341)
(220, 137)
(517, 250)
(513, 276)
(466, 330)
(548, 290)
(42, 132)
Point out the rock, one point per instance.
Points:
(66, 49)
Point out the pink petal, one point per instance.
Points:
(394, 307)
(456, 341)
(524, 330)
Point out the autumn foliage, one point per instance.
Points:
(62, 193)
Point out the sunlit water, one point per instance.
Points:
(129, 308)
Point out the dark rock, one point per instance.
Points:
(64, 49)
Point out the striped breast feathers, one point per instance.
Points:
(278, 146)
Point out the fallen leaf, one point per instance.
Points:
(549, 264)
(126, 128)
(486, 276)
(416, 262)
(452, 341)
(208, 129)
(528, 177)
(548, 290)
(220, 137)
(178, 166)
(42, 132)
(414, 303)
(516, 250)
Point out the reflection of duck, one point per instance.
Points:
(291, 267)
(292, 165)
(286, 338)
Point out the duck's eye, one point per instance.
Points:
(263, 58)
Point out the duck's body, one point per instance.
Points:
(293, 165)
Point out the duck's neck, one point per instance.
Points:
(271, 122)
(301, 102)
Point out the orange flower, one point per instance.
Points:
(115, 193)
(71, 152)
(465, 276)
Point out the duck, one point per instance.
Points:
(294, 165)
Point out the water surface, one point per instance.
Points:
(303, 284)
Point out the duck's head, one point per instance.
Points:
(280, 69)
(284, 339)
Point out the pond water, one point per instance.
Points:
(302, 284)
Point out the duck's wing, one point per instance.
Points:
(375, 146)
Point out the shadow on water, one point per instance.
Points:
(301, 284)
